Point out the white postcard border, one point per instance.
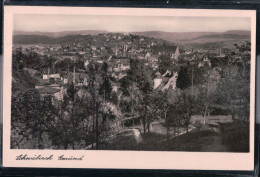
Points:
(124, 159)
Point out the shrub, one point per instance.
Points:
(235, 136)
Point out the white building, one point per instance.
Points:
(157, 79)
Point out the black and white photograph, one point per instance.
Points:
(131, 83)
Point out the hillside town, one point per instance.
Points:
(93, 91)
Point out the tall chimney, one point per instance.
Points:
(48, 72)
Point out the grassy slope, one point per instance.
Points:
(204, 140)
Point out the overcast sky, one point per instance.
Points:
(56, 23)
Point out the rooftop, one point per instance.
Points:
(48, 90)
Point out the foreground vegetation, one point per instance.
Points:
(231, 138)
(79, 122)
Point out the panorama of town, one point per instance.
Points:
(123, 91)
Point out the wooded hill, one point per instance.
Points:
(193, 39)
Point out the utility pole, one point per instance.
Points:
(74, 77)
(48, 73)
(192, 79)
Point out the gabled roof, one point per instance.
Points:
(32, 71)
(160, 87)
(119, 93)
(199, 55)
(51, 71)
(48, 90)
(161, 48)
(158, 75)
(78, 76)
(209, 55)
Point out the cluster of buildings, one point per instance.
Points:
(53, 85)
(163, 82)
(202, 57)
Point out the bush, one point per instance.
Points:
(220, 110)
(235, 136)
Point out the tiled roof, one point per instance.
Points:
(161, 48)
(158, 75)
(160, 87)
(78, 76)
(48, 90)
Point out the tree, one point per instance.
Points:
(17, 60)
(182, 104)
(183, 80)
(234, 90)
(105, 87)
(65, 65)
(166, 63)
(125, 82)
(65, 124)
(109, 119)
(93, 87)
(114, 98)
(71, 91)
(146, 89)
(24, 110)
(207, 92)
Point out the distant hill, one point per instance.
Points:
(40, 39)
(30, 39)
(202, 39)
(197, 37)
(61, 34)
(172, 36)
(205, 40)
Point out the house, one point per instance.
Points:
(82, 52)
(110, 67)
(140, 56)
(147, 56)
(100, 61)
(115, 87)
(165, 81)
(175, 54)
(167, 73)
(81, 79)
(154, 65)
(205, 60)
(191, 57)
(83, 93)
(50, 94)
(32, 72)
(172, 51)
(41, 84)
(153, 44)
(109, 58)
(157, 80)
(55, 76)
(119, 75)
(50, 73)
(121, 64)
(86, 63)
(119, 94)
(171, 82)
(64, 78)
(93, 47)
